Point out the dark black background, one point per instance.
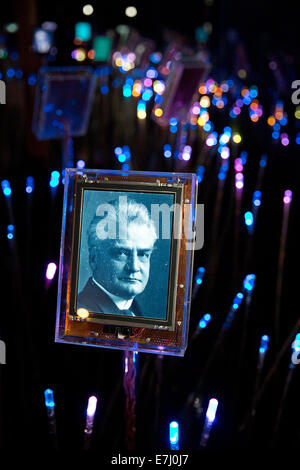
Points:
(27, 317)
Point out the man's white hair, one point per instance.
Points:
(110, 212)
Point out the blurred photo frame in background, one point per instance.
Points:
(125, 267)
(185, 76)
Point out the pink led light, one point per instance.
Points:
(239, 177)
(287, 198)
(236, 110)
(285, 141)
(51, 270)
(196, 110)
(148, 82)
(238, 166)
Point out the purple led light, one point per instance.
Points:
(287, 198)
(238, 165)
(51, 270)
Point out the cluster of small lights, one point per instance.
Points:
(124, 62)
(186, 153)
(212, 139)
(6, 188)
(287, 198)
(29, 184)
(264, 343)
(276, 121)
(249, 282)
(79, 54)
(10, 231)
(54, 179)
(248, 218)
(256, 200)
(167, 151)
(123, 153)
(173, 125)
(237, 300)
(223, 170)
(239, 177)
(141, 109)
(199, 275)
(204, 321)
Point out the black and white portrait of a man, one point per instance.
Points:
(124, 265)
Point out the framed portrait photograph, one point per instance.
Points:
(121, 258)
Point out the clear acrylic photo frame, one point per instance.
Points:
(63, 101)
(150, 337)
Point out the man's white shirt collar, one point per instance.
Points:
(120, 303)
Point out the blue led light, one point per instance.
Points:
(283, 121)
(263, 161)
(83, 31)
(6, 188)
(204, 321)
(54, 180)
(104, 89)
(32, 79)
(199, 275)
(29, 184)
(264, 344)
(141, 106)
(49, 398)
(173, 121)
(296, 343)
(200, 173)
(118, 150)
(174, 435)
(243, 157)
(126, 90)
(10, 231)
(249, 282)
(10, 73)
(208, 126)
(276, 126)
(167, 151)
(253, 92)
(298, 138)
(256, 200)
(122, 158)
(147, 94)
(248, 218)
(80, 164)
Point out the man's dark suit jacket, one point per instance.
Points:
(96, 301)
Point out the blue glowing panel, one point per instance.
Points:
(63, 100)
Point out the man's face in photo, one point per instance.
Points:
(122, 265)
